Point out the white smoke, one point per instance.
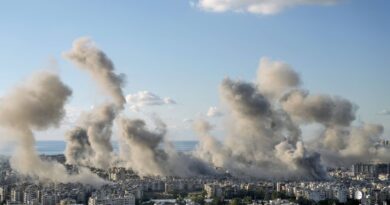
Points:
(147, 153)
(97, 123)
(87, 56)
(38, 104)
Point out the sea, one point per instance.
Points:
(58, 147)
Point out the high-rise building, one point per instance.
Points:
(16, 195)
(3, 192)
(372, 170)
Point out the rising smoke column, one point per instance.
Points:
(97, 124)
(89, 143)
(264, 136)
(340, 143)
(140, 148)
(346, 145)
(87, 56)
(263, 140)
(210, 149)
(323, 109)
(274, 78)
(100, 122)
(147, 153)
(37, 104)
(78, 148)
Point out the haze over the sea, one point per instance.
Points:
(54, 147)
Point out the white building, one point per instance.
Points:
(341, 195)
(67, 202)
(2, 194)
(48, 199)
(16, 195)
(127, 199)
(315, 195)
(213, 190)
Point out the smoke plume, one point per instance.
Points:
(38, 104)
(87, 56)
(147, 153)
(344, 146)
(263, 126)
(274, 78)
(96, 125)
(263, 138)
(78, 148)
(89, 143)
(210, 149)
(323, 109)
(264, 129)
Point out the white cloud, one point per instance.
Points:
(384, 112)
(214, 112)
(263, 7)
(146, 98)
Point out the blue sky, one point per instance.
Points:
(183, 52)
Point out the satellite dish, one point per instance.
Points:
(358, 195)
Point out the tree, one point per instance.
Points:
(303, 201)
(247, 200)
(274, 195)
(328, 202)
(180, 200)
(259, 194)
(235, 201)
(267, 196)
(198, 198)
(217, 201)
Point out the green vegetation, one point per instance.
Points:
(329, 202)
(217, 201)
(198, 198)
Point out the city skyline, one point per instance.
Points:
(195, 102)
